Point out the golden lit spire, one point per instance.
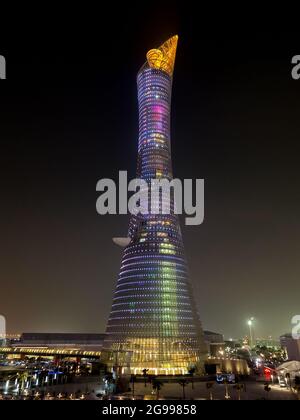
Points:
(163, 58)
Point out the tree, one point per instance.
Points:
(192, 371)
(183, 382)
(239, 388)
(227, 396)
(133, 381)
(109, 383)
(23, 378)
(145, 374)
(267, 388)
(288, 378)
(157, 385)
(297, 386)
(209, 385)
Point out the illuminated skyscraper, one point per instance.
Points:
(153, 314)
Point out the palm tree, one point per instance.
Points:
(227, 396)
(239, 388)
(209, 385)
(288, 379)
(145, 372)
(297, 386)
(192, 371)
(183, 382)
(157, 385)
(133, 381)
(109, 382)
(23, 378)
(267, 388)
(297, 390)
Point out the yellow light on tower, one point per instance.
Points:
(163, 57)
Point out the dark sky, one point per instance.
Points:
(68, 117)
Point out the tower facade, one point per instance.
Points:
(153, 315)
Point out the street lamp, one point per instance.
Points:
(250, 323)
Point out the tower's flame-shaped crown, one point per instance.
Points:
(163, 58)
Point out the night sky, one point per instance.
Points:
(68, 117)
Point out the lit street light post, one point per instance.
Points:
(250, 323)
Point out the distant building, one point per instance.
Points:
(291, 346)
(226, 365)
(233, 344)
(215, 343)
(9, 339)
(75, 340)
(267, 342)
(213, 337)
